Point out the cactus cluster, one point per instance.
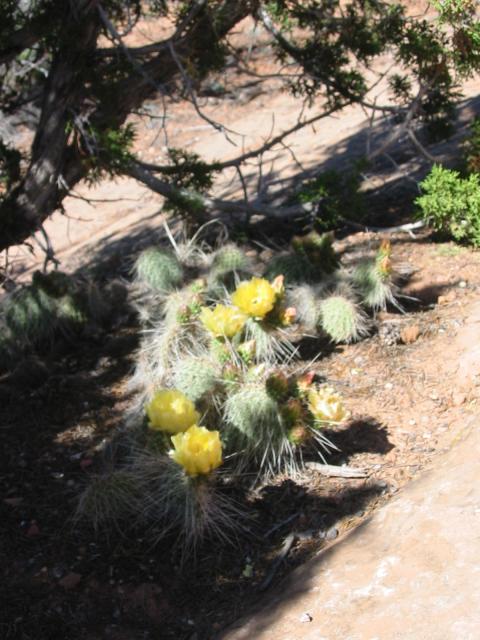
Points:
(220, 396)
(54, 304)
(158, 270)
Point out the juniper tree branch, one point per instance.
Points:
(197, 203)
(20, 40)
(24, 209)
(57, 166)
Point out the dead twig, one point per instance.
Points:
(332, 471)
(284, 551)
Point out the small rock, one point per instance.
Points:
(447, 297)
(305, 617)
(410, 334)
(147, 597)
(248, 571)
(57, 572)
(462, 284)
(458, 398)
(70, 581)
(33, 530)
(331, 534)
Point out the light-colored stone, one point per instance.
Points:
(412, 572)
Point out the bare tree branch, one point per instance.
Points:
(57, 166)
(249, 155)
(198, 203)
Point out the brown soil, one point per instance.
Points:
(59, 581)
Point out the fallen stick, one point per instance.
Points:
(284, 551)
(332, 471)
(409, 227)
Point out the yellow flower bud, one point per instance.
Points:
(197, 450)
(222, 321)
(326, 405)
(256, 297)
(288, 316)
(247, 350)
(171, 411)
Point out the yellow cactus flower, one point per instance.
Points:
(171, 411)
(326, 405)
(198, 450)
(222, 321)
(256, 297)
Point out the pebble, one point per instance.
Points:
(458, 398)
(57, 572)
(462, 284)
(331, 534)
(410, 334)
(70, 581)
(305, 617)
(33, 530)
(444, 299)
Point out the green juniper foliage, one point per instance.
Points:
(472, 147)
(337, 195)
(451, 204)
